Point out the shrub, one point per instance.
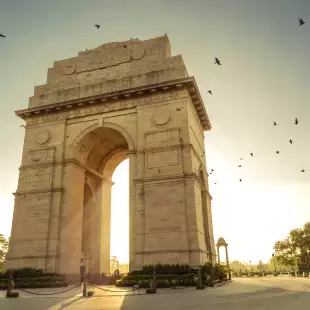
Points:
(27, 273)
(163, 269)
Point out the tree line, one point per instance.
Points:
(294, 250)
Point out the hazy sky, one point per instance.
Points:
(265, 76)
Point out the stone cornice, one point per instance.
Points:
(39, 191)
(187, 83)
(169, 178)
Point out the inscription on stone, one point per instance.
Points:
(105, 107)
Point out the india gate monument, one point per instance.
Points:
(121, 100)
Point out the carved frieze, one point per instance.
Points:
(106, 107)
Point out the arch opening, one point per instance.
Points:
(100, 151)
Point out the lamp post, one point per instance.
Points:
(274, 263)
(250, 266)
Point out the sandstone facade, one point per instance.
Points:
(121, 100)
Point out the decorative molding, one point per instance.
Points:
(39, 191)
(136, 92)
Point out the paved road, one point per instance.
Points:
(242, 294)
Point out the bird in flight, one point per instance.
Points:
(240, 180)
(301, 21)
(303, 170)
(251, 154)
(291, 141)
(2, 35)
(241, 158)
(296, 121)
(278, 152)
(210, 92)
(97, 26)
(239, 166)
(217, 61)
(274, 123)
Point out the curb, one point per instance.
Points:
(223, 284)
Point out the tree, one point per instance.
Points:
(4, 244)
(237, 266)
(114, 263)
(260, 266)
(286, 253)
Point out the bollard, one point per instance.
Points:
(85, 285)
(10, 284)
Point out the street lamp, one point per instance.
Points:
(250, 266)
(274, 263)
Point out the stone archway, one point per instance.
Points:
(94, 156)
(95, 110)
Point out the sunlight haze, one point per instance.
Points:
(264, 77)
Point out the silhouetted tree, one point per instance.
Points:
(3, 250)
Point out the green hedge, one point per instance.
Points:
(4, 286)
(163, 280)
(163, 269)
(26, 273)
(32, 278)
(35, 280)
(173, 275)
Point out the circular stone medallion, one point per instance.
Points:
(43, 137)
(69, 69)
(137, 51)
(161, 118)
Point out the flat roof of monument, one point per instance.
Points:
(189, 83)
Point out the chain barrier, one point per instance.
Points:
(33, 293)
(112, 291)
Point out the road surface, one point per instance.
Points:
(242, 294)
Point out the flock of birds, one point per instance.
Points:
(218, 62)
(296, 122)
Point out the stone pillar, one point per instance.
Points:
(71, 221)
(226, 252)
(227, 262)
(101, 229)
(218, 254)
(133, 264)
(208, 239)
(210, 227)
